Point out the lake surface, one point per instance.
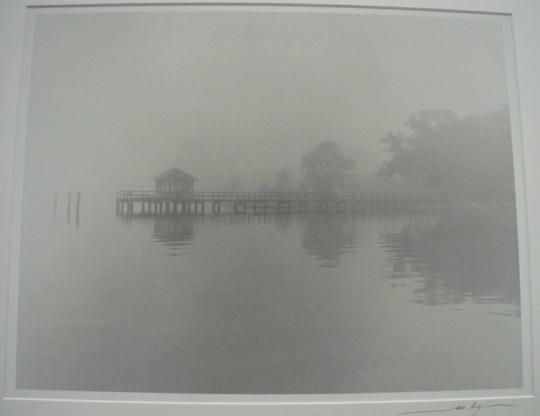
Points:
(270, 304)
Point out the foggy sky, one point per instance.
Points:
(117, 98)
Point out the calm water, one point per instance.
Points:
(277, 304)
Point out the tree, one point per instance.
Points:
(467, 158)
(325, 167)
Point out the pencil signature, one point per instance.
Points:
(467, 409)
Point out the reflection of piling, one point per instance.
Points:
(68, 209)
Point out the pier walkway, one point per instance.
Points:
(153, 203)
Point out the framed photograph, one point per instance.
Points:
(252, 207)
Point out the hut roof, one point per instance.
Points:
(174, 174)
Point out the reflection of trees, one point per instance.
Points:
(458, 258)
(173, 232)
(328, 237)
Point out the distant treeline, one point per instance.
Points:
(460, 158)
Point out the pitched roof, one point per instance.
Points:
(173, 174)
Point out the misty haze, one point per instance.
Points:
(268, 203)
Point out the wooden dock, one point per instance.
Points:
(152, 203)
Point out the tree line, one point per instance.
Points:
(463, 158)
(459, 158)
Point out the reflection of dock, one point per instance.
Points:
(155, 203)
(173, 232)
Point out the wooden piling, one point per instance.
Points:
(68, 208)
(283, 207)
(237, 207)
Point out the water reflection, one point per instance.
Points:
(457, 258)
(283, 222)
(177, 232)
(450, 258)
(324, 237)
(328, 237)
(174, 232)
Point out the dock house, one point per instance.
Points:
(174, 181)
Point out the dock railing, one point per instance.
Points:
(258, 196)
